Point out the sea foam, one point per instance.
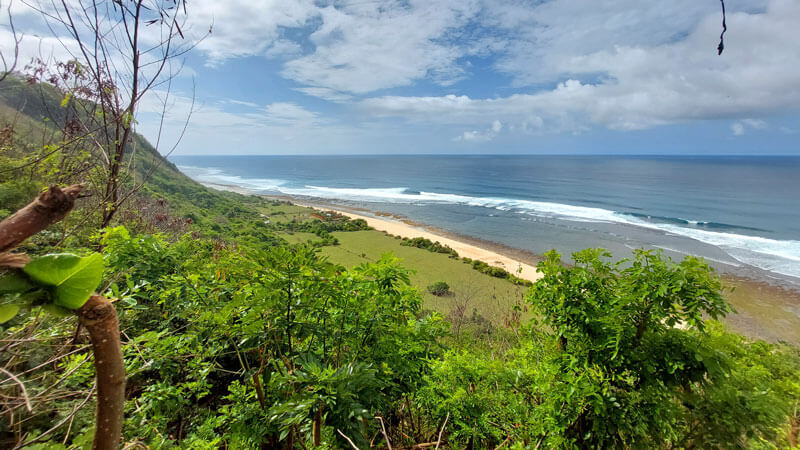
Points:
(779, 256)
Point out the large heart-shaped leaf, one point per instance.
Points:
(73, 277)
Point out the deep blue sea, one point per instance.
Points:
(741, 213)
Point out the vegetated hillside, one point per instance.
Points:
(233, 337)
(33, 117)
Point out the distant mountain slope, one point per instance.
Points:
(36, 115)
(38, 108)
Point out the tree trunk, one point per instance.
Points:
(318, 427)
(100, 319)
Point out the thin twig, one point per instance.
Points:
(21, 387)
(721, 46)
(347, 439)
(439, 441)
(383, 430)
(41, 437)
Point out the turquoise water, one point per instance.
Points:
(742, 213)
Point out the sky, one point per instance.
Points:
(474, 76)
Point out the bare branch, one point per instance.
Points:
(41, 437)
(383, 430)
(721, 45)
(439, 441)
(347, 439)
(10, 65)
(21, 388)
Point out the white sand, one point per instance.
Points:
(464, 250)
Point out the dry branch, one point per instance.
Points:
(50, 207)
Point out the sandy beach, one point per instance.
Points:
(408, 229)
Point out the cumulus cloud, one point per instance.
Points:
(370, 47)
(643, 87)
(245, 28)
(349, 46)
(481, 136)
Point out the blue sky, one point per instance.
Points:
(483, 76)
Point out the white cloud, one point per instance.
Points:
(643, 87)
(325, 93)
(283, 48)
(756, 124)
(243, 103)
(481, 136)
(350, 46)
(370, 46)
(543, 37)
(246, 28)
(740, 127)
(290, 114)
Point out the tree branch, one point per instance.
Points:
(721, 45)
(50, 207)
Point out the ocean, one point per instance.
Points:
(740, 213)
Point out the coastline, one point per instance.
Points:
(515, 262)
(764, 310)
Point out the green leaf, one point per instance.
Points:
(13, 282)
(7, 312)
(74, 277)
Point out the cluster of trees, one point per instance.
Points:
(427, 244)
(497, 272)
(480, 266)
(323, 225)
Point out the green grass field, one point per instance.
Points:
(493, 298)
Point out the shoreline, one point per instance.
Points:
(764, 310)
(517, 262)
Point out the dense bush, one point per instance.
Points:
(439, 289)
(295, 353)
(611, 369)
(427, 244)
